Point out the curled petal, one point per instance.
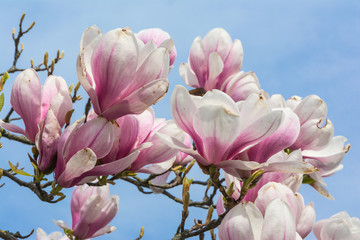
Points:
(81, 162)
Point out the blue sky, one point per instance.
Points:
(294, 47)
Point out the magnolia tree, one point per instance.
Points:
(256, 150)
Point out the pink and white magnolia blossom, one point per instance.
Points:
(304, 216)
(215, 63)
(134, 132)
(265, 191)
(222, 129)
(316, 138)
(79, 148)
(43, 110)
(92, 209)
(120, 73)
(41, 235)
(245, 221)
(212, 60)
(338, 226)
(159, 37)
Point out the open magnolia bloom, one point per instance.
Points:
(134, 132)
(338, 226)
(120, 73)
(79, 148)
(222, 129)
(92, 209)
(245, 221)
(316, 139)
(215, 63)
(278, 213)
(43, 110)
(212, 60)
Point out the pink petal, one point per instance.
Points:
(55, 94)
(198, 61)
(11, 127)
(233, 61)
(218, 128)
(256, 132)
(26, 100)
(46, 142)
(241, 85)
(311, 107)
(139, 100)
(216, 66)
(83, 161)
(306, 221)
(279, 222)
(283, 137)
(244, 221)
(96, 134)
(113, 63)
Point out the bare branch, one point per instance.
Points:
(14, 137)
(13, 236)
(33, 186)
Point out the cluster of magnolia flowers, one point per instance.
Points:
(234, 125)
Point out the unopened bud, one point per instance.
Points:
(52, 65)
(70, 88)
(230, 189)
(186, 186)
(62, 54)
(32, 63)
(188, 168)
(22, 46)
(209, 215)
(142, 230)
(2, 100)
(31, 26)
(77, 86)
(46, 59)
(22, 17)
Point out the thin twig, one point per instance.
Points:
(14, 137)
(13, 236)
(42, 195)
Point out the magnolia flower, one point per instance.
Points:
(121, 74)
(222, 129)
(133, 132)
(304, 216)
(338, 226)
(159, 37)
(41, 235)
(92, 209)
(316, 138)
(212, 60)
(215, 63)
(278, 213)
(245, 221)
(43, 111)
(79, 148)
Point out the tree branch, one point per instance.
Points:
(34, 187)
